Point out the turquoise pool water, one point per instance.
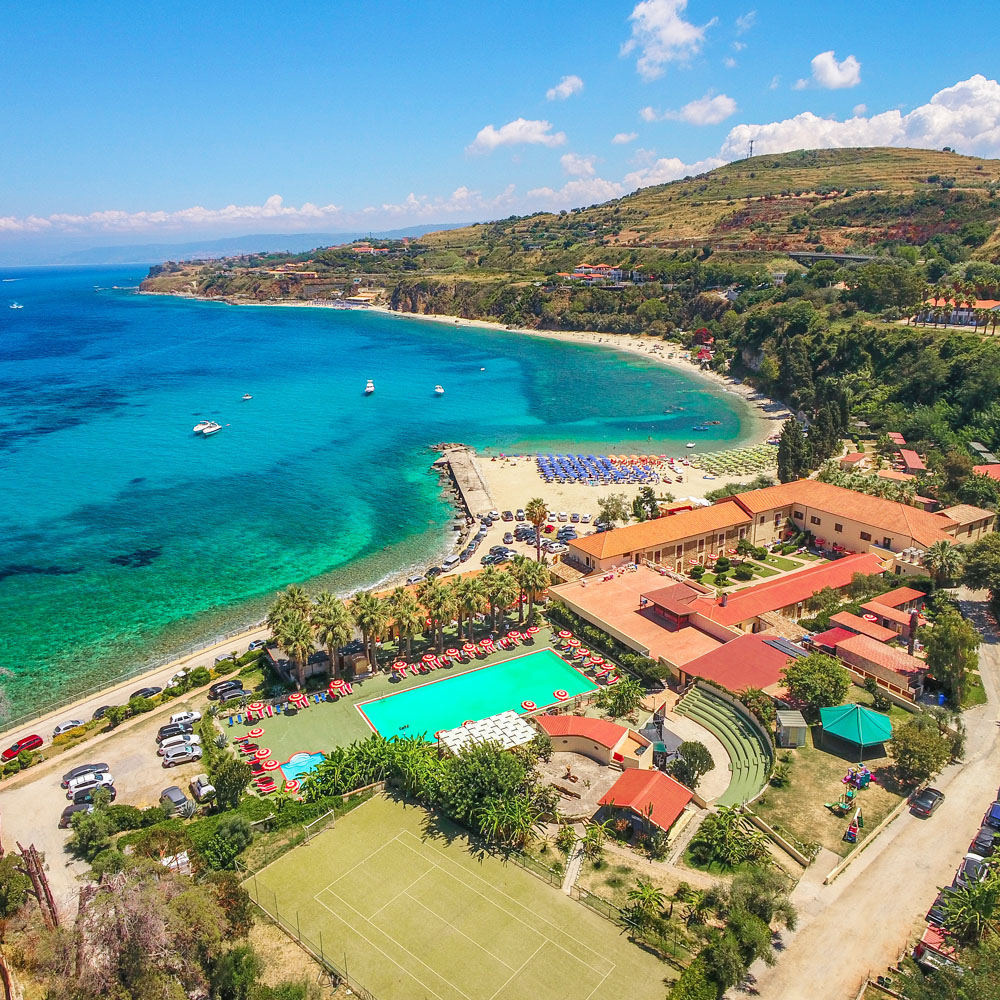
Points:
(299, 764)
(448, 701)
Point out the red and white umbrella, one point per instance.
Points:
(262, 753)
(452, 652)
(255, 733)
(564, 634)
(291, 785)
(270, 765)
(255, 706)
(427, 657)
(532, 629)
(469, 647)
(573, 642)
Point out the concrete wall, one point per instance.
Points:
(581, 745)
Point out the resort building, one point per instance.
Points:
(650, 799)
(992, 470)
(747, 661)
(602, 741)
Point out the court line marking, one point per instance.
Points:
(520, 968)
(597, 987)
(402, 892)
(499, 892)
(364, 860)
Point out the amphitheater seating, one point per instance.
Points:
(750, 758)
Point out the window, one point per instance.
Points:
(865, 537)
(762, 519)
(838, 527)
(886, 543)
(797, 514)
(722, 539)
(680, 550)
(701, 544)
(813, 519)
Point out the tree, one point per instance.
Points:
(116, 715)
(537, 513)
(952, 653)
(793, 457)
(982, 564)
(230, 777)
(293, 601)
(761, 704)
(973, 909)
(944, 560)
(647, 901)
(471, 598)
(645, 505)
(980, 491)
(406, 617)
(816, 681)
(535, 581)
(613, 508)
(293, 633)
(919, 750)
(594, 837)
(334, 627)
(232, 836)
(91, 833)
(727, 838)
(15, 888)
(693, 761)
(622, 699)
(372, 617)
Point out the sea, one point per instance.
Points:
(124, 537)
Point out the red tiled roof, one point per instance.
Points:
(638, 790)
(900, 596)
(832, 636)
(854, 456)
(772, 595)
(862, 626)
(607, 734)
(911, 459)
(896, 660)
(746, 661)
(896, 438)
(676, 598)
(992, 470)
(889, 614)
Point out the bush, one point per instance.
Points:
(723, 564)
(721, 579)
(116, 715)
(697, 572)
(199, 677)
(126, 817)
(139, 706)
(743, 572)
(788, 548)
(760, 553)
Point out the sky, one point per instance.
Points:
(130, 123)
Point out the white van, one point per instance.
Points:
(450, 563)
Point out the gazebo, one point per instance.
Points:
(855, 724)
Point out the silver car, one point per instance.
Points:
(65, 727)
(175, 742)
(85, 782)
(181, 755)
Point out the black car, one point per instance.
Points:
(84, 769)
(433, 572)
(146, 692)
(220, 686)
(936, 914)
(71, 810)
(86, 795)
(519, 515)
(926, 801)
(232, 694)
(174, 729)
(101, 712)
(983, 843)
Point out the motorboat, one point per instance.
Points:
(246, 396)
(212, 428)
(438, 390)
(369, 388)
(16, 305)
(202, 426)
(690, 444)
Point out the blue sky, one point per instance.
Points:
(127, 121)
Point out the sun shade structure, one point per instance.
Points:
(508, 729)
(856, 724)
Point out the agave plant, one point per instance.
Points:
(213, 710)
(221, 739)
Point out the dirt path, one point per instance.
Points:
(862, 921)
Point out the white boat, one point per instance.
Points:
(247, 396)
(202, 426)
(369, 388)
(16, 305)
(212, 428)
(438, 390)
(690, 444)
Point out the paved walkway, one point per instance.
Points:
(863, 921)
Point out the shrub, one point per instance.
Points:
(721, 579)
(723, 564)
(126, 817)
(233, 835)
(199, 677)
(760, 553)
(697, 572)
(743, 572)
(116, 715)
(139, 706)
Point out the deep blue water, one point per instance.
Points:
(123, 536)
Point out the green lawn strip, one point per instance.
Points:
(898, 716)
(760, 570)
(781, 562)
(975, 693)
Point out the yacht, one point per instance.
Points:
(212, 428)
(690, 444)
(16, 305)
(438, 390)
(247, 396)
(369, 388)
(202, 426)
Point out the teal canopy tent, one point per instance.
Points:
(856, 724)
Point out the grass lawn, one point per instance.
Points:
(760, 570)
(780, 562)
(975, 693)
(859, 696)
(330, 724)
(815, 775)
(402, 899)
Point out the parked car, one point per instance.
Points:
(174, 729)
(172, 800)
(71, 810)
(519, 514)
(549, 528)
(494, 515)
(926, 801)
(992, 817)
(433, 572)
(936, 914)
(585, 519)
(550, 517)
(146, 692)
(450, 563)
(507, 516)
(101, 712)
(183, 717)
(257, 644)
(416, 578)
(32, 742)
(973, 868)
(201, 788)
(983, 843)
(223, 658)
(575, 518)
(562, 516)
(65, 727)
(182, 755)
(84, 769)
(489, 559)
(182, 740)
(85, 796)
(231, 694)
(219, 686)
(85, 782)
(508, 538)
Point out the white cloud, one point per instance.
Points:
(621, 138)
(800, 84)
(729, 62)
(463, 201)
(578, 166)
(746, 21)
(707, 110)
(661, 35)
(669, 168)
(860, 109)
(739, 46)
(519, 131)
(586, 191)
(566, 87)
(833, 75)
(775, 80)
(965, 116)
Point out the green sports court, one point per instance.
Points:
(400, 900)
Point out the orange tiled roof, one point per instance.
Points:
(965, 513)
(648, 535)
(992, 470)
(862, 626)
(639, 790)
(900, 596)
(607, 734)
(896, 660)
(888, 613)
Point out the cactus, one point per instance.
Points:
(221, 740)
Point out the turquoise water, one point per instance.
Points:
(477, 694)
(124, 537)
(299, 764)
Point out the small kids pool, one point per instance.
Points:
(299, 764)
(450, 700)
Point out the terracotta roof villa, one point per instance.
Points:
(748, 661)
(891, 667)
(861, 626)
(651, 797)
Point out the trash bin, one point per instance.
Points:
(941, 698)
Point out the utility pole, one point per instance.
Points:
(751, 149)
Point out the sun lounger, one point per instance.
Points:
(277, 708)
(230, 722)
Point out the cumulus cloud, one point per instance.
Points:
(661, 35)
(578, 166)
(707, 110)
(566, 87)
(585, 191)
(860, 109)
(669, 168)
(833, 75)
(521, 131)
(463, 201)
(621, 138)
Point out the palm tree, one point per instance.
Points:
(536, 581)
(504, 593)
(944, 560)
(334, 626)
(972, 910)
(438, 603)
(473, 597)
(291, 601)
(647, 901)
(594, 837)
(295, 636)
(537, 513)
(517, 570)
(372, 617)
(406, 617)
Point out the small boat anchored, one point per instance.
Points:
(16, 305)
(369, 388)
(212, 428)
(202, 426)
(246, 396)
(438, 390)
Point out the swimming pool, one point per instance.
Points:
(299, 764)
(448, 701)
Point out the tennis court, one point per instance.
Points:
(398, 899)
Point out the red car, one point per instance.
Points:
(28, 743)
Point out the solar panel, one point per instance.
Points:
(785, 646)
